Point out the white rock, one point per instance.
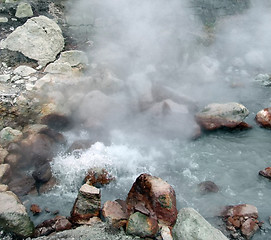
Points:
(191, 225)
(40, 38)
(73, 57)
(58, 68)
(23, 10)
(24, 71)
(3, 19)
(4, 77)
(29, 86)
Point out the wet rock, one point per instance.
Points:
(36, 32)
(263, 118)
(98, 177)
(87, 204)
(8, 135)
(46, 187)
(23, 10)
(35, 209)
(3, 154)
(3, 188)
(22, 185)
(62, 223)
(242, 210)
(228, 115)
(249, 227)
(208, 187)
(24, 71)
(56, 120)
(191, 225)
(113, 213)
(73, 57)
(43, 173)
(80, 145)
(265, 79)
(13, 215)
(266, 172)
(59, 68)
(5, 173)
(157, 196)
(141, 225)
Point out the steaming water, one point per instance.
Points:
(172, 45)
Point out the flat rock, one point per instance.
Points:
(59, 68)
(73, 57)
(24, 71)
(23, 10)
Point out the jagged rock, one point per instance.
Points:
(22, 185)
(73, 57)
(242, 210)
(3, 154)
(3, 188)
(36, 32)
(156, 196)
(87, 204)
(35, 209)
(141, 225)
(24, 71)
(191, 225)
(208, 187)
(98, 177)
(23, 10)
(8, 135)
(249, 227)
(166, 233)
(228, 115)
(263, 118)
(5, 173)
(113, 213)
(59, 68)
(13, 215)
(43, 173)
(266, 172)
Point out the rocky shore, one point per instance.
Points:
(42, 63)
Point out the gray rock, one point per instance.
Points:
(13, 215)
(3, 19)
(23, 10)
(73, 57)
(8, 135)
(264, 79)
(4, 77)
(24, 71)
(36, 32)
(58, 68)
(191, 225)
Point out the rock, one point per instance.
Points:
(156, 195)
(3, 154)
(22, 185)
(46, 187)
(242, 210)
(3, 188)
(4, 78)
(166, 233)
(228, 115)
(191, 225)
(265, 79)
(87, 204)
(141, 225)
(98, 177)
(36, 32)
(13, 215)
(3, 19)
(33, 129)
(263, 118)
(266, 172)
(57, 121)
(43, 173)
(59, 68)
(14, 160)
(114, 214)
(5, 173)
(62, 223)
(8, 135)
(80, 145)
(249, 227)
(23, 10)
(24, 71)
(208, 187)
(35, 209)
(73, 57)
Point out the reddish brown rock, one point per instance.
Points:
(14, 160)
(87, 204)
(35, 209)
(22, 185)
(266, 172)
(208, 187)
(62, 223)
(113, 213)
(263, 118)
(157, 196)
(249, 227)
(242, 210)
(234, 221)
(98, 177)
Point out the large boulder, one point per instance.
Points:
(153, 196)
(191, 225)
(227, 115)
(263, 118)
(13, 215)
(40, 38)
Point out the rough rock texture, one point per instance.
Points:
(266, 172)
(13, 215)
(36, 32)
(98, 177)
(73, 57)
(23, 10)
(58, 68)
(242, 210)
(191, 225)
(8, 135)
(114, 214)
(208, 187)
(141, 225)
(263, 118)
(154, 195)
(228, 115)
(87, 204)
(24, 71)
(5, 173)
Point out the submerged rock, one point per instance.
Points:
(208, 187)
(156, 196)
(36, 32)
(35, 209)
(191, 225)
(266, 172)
(228, 115)
(13, 215)
(263, 118)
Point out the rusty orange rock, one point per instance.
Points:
(263, 118)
